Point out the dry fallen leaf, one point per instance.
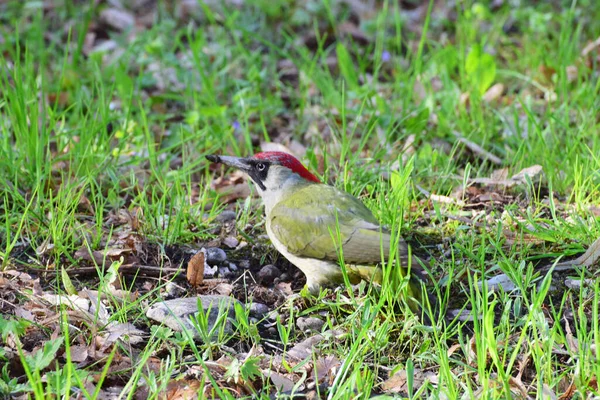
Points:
(117, 19)
(590, 47)
(498, 177)
(285, 287)
(79, 353)
(396, 383)
(325, 368)
(195, 269)
(182, 389)
(224, 288)
(589, 258)
(305, 348)
(493, 93)
(282, 383)
(572, 73)
(569, 391)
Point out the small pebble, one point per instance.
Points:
(273, 314)
(258, 309)
(173, 290)
(253, 320)
(215, 256)
(210, 272)
(226, 216)
(244, 264)
(224, 272)
(310, 324)
(233, 267)
(231, 242)
(268, 273)
(285, 277)
(577, 283)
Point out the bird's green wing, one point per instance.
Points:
(313, 223)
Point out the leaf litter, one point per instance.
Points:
(93, 312)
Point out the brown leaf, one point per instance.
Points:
(195, 269)
(533, 173)
(183, 389)
(98, 256)
(572, 73)
(62, 99)
(285, 287)
(547, 71)
(569, 392)
(326, 368)
(589, 258)
(224, 288)
(45, 247)
(306, 348)
(396, 383)
(117, 19)
(464, 99)
(498, 178)
(493, 93)
(518, 384)
(453, 349)
(499, 174)
(282, 383)
(590, 47)
(126, 330)
(79, 353)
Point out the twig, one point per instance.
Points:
(477, 149)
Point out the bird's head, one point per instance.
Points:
(273, 172)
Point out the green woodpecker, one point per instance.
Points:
(307, 221)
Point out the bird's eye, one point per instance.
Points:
(260, 166)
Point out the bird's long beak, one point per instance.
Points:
(235, 162)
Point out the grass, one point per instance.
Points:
(102, 149)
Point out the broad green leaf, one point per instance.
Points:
(250, 369)
(480, 68)
(44, 356)
(66, 280)
(212, 111)
(15, 326)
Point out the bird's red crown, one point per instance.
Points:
(289, 161)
